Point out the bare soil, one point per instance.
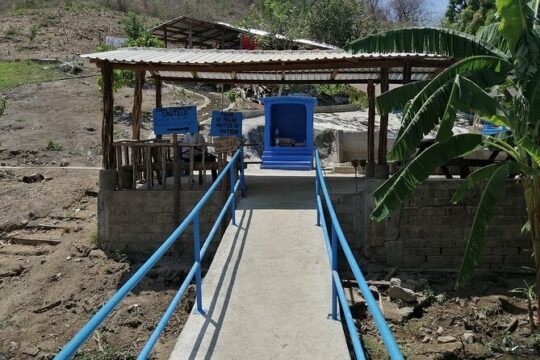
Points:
(484, 320)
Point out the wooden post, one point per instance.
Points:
(407, 73)
(107, 124)
(165, 35)
(159, 85)
(371, 122)
(383, 128)
(137, 104)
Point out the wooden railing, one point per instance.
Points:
(156, 160)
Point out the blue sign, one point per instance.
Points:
(225, 123)
(175, 120)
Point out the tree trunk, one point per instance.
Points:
(531, 187)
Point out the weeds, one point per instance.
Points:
(54, 146)
(2, 105)
(94, 239)
(530, 295)
(12, 32)
(33, 32)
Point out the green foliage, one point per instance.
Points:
(231, 95)
(33, 32)
(133, 25)
(2, 105)
(54, 146)
(337, 22)
(499, 86)
(469, 15)
(14, 73)
(355, 96)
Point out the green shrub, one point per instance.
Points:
(54, 146)
(33, 32)
(355, 96)
(2, 105)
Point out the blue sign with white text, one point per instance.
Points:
(175, 120)
(225, 123)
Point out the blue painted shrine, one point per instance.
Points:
(288, 133)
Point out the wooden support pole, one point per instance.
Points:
(165, 36)
(407, 73)
(137, 104)
(159, 86)
(107, 124)
(371, 122)
(383, 128)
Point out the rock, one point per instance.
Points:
(32, 351)
(446, 339)
(393, 313)
(13, 346)
(512, 326)
(90, 129)
(97, 254)
(468, 337)
(32, 178)
(439, 331)
(56, 277)
(64, 163)
(395, 282)
(426, 339)
(374, 291)
(404, 294)
(440, 298)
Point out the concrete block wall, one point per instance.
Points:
(136, 222)
(431, 233)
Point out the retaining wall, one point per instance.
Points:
(136, 222)
(430, 232)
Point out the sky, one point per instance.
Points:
(439, 7)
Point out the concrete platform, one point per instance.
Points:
(267, 293)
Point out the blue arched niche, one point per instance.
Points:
(288, 135)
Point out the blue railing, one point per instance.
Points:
(338, 293)
(195, 272)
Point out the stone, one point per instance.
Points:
(446, 339)
(395, 314)
(32, 351)
(426, 339)
(56, 277)
(404, 294)
(97, 254)
(395, 282)
(13, 346)
(439, 331)
(468, 337)
(33, 178)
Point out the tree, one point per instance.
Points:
(409, 11)
(469, 15)
(497, 77)
(337, 22)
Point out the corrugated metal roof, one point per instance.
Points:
(271, 66)
(217, 34)
(207, 56)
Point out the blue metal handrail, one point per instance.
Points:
(338, 293)
(195, 272)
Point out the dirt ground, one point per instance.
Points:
(484, 320)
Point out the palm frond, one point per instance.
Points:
(392, 193)
(513, 21)
(494, 190)
(531, 148)
(428, 106)
(397, 98)
(491, 35)
(425, 40)
(467, 96)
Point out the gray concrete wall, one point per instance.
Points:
(136, 222)
(430, 232)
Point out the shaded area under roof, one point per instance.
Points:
(190, 32)
(273, 66)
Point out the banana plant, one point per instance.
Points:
(496, 76)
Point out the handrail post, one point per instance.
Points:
(242, 178)
(198, 274)
(334, 268)
(233, 201)
(317, 195)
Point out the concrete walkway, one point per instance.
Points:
(267, 293)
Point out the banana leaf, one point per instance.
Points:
(425, 40)
(400, 186)
(494, 190)
(513, 21)
(397, 98)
